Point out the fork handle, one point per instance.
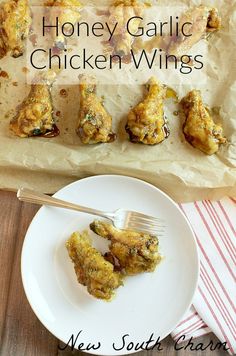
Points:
(31, 196)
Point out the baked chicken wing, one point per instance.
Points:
(136, 252)
(203, 20)
(67, 11)
(121, 12)
(95, 124)
(15, 21)
(35, 114)
(146, 122)
(91, 269)
(199, 128)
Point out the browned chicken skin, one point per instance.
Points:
(91, 269)
(35, 114)
(204, 20)
(146, 122)
(136, 252)
(15, 21)
(120, 12)
(95, 124)
(199, 128)
(67, 11)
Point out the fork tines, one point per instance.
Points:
(148, 224)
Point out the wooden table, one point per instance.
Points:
(21, 332)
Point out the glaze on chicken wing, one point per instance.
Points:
(15, 21)
(199, 128)
(120, 12)
(35, 114)
(146, 122)
(136, 252)
(203, 19)
(67, 11)
(95, 124)
(91, 269)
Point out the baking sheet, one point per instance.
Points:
(174, 166)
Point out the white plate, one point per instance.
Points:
(150, 303)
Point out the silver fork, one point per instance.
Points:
(121, 219)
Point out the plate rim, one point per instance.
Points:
(111, 176)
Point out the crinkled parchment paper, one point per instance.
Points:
(174, 166)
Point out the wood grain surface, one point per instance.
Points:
(21, 333)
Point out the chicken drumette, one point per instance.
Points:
(121, 12)
(95, 124)
(146, 122)
(91, 269)
(67, 11)
(203, 20)
(199, 128)
(136, 252)
(15, 21)
(35, 114)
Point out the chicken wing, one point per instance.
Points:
(146, 122)
(67, 11)
(15, 21)
(95, 124)
(136, 252)
(91, 269)
(203, 20)
(35, 114)
(120, 12)
(199, 128)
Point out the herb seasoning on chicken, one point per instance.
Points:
(199, 128)
(136, 252)
(15, 21)
(67, 12)
(95, 124)
(121, 12)
(35, 114)
(201, 20)
(146, 122)
(91, 268)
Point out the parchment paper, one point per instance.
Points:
(174, 166)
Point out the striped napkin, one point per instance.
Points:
(213, 308)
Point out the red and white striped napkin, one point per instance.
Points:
(213, 308)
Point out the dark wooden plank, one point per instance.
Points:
(9, 217)
(23, 333)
